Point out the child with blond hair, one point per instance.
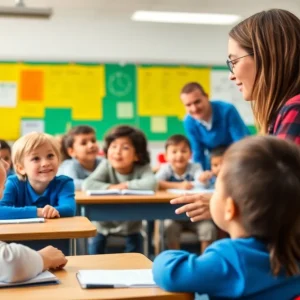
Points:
(35, 190)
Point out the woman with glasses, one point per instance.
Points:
(264, 62)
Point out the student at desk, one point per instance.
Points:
(179, 173)
(126, 167)
(20, 263)
(261, 213)
(79, 147)
(36, 191)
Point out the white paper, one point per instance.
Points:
(23, 221)
(28, 126)
(8, 94)
(119, 192)
(45, 276)
(117, 278)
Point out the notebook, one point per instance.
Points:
(119, 192)
(89, 279)
(45, 277)
(192, 191)
(23, 221)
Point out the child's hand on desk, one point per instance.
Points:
(48, 212)
(52, 258)
(186, 185)
(119, 186)
(206, 175)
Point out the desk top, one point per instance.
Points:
(61, 228)
(158, 197)
(69, 287)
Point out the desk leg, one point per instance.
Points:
(162, 235)
(85, 241)
(73, 249)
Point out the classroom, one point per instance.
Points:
(151, 145)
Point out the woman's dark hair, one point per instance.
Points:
(262, 176)
(69, 138)
(137, 138)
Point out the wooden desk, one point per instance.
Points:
(70, 288)
(60, 232)
(130, 208)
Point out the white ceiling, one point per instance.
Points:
(127, 7)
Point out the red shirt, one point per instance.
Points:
(287, 123)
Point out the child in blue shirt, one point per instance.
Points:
(80, 150)
(180, 173)
(35, 190)
(257, 202)
(208, 178)
(5, 154)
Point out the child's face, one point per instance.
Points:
(6, 156)
(85, 147)
(122, 155)
(178, 155)
(40, 165)
(2, 178)
(216, 163)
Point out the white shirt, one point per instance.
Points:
(19, 263)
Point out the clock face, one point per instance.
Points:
(120, 84)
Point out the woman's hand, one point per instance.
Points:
(195, 206)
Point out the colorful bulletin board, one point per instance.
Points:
(53, 97)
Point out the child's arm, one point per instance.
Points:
(211, 273)
(98, 180)
(66, 198)
(184, 185)
(202, 178)
(8, 209)
(163, 175)
(20, 263)
(146, 181)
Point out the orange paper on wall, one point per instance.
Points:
(32, 85)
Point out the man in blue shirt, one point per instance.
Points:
(209, 124)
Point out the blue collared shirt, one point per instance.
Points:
(20, 201)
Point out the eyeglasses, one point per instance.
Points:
(230, 62)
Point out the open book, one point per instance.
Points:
(89, 279)
(192, 191)
(119, 192)
(23, 221)
(44, 277)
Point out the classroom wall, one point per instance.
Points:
(89, 36)
(111, 38)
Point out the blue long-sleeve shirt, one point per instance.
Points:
(227, 128)
(20, 201)
(228, 269)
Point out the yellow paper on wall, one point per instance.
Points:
(78, 87)
(31, 109)
(9, 72)
(159, 89)
(87, 109)
(9, 124)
